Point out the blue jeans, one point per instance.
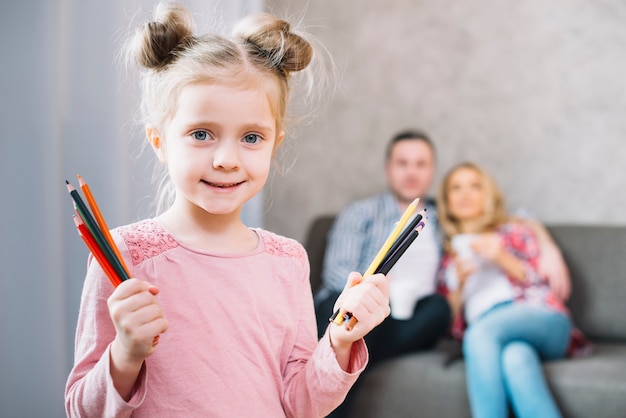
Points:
(503, 350)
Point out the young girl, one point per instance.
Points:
(236, 302)
(514, 320)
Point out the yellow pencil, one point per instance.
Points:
(338, 319)
(392, 238)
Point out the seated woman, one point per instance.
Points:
(513, 319)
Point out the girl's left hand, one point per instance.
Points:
(368, 301)
(488, 246)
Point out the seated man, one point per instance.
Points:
(419, 315)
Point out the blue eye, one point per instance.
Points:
(200, 135)
(251, 138)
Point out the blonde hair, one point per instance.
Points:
(494, 214)
(262, 46)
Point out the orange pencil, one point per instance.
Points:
(90, 242)
(100, 219)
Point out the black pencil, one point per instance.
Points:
(386, 267)
(408, 230)
(392, 257)
(404, 245)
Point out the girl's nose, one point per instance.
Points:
(226, 155)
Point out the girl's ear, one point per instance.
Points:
(156, 142)
(279, 139)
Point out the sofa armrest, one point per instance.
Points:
(315, 246)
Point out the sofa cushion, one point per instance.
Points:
(596, 256)
(592, 386)
(416, 385)
(428, 385)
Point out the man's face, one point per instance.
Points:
(410, 169)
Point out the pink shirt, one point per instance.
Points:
(241, 340)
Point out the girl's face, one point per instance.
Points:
(465, 195)
(218, 146)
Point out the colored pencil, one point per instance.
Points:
(391, 261)
(97, 238)
(392, 237)
(386, 267)
(94, 230)
(95, 250)
(336, 318)
(403, 236)
(100, 220)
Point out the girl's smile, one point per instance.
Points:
(222, 185)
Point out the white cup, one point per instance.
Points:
(462, 246)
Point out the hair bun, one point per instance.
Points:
(157, 41)
(274, 39)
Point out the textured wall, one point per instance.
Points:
(532, 90)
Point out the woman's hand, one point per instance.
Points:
(138, 321)
(488, 246)
(367, 299)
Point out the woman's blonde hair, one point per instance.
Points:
(262, 47)
(494, 214)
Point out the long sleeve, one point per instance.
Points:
(89, 391)
(315, 384)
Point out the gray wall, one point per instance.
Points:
(533, 90)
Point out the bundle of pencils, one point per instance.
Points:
(95, 233)
(399, 240)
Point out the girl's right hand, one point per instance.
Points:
(138, 320)
(368, 302)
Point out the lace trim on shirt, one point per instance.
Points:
(281, 246)
(145, 240)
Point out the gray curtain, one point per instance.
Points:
(66, 108)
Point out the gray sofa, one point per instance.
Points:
(432, 384)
